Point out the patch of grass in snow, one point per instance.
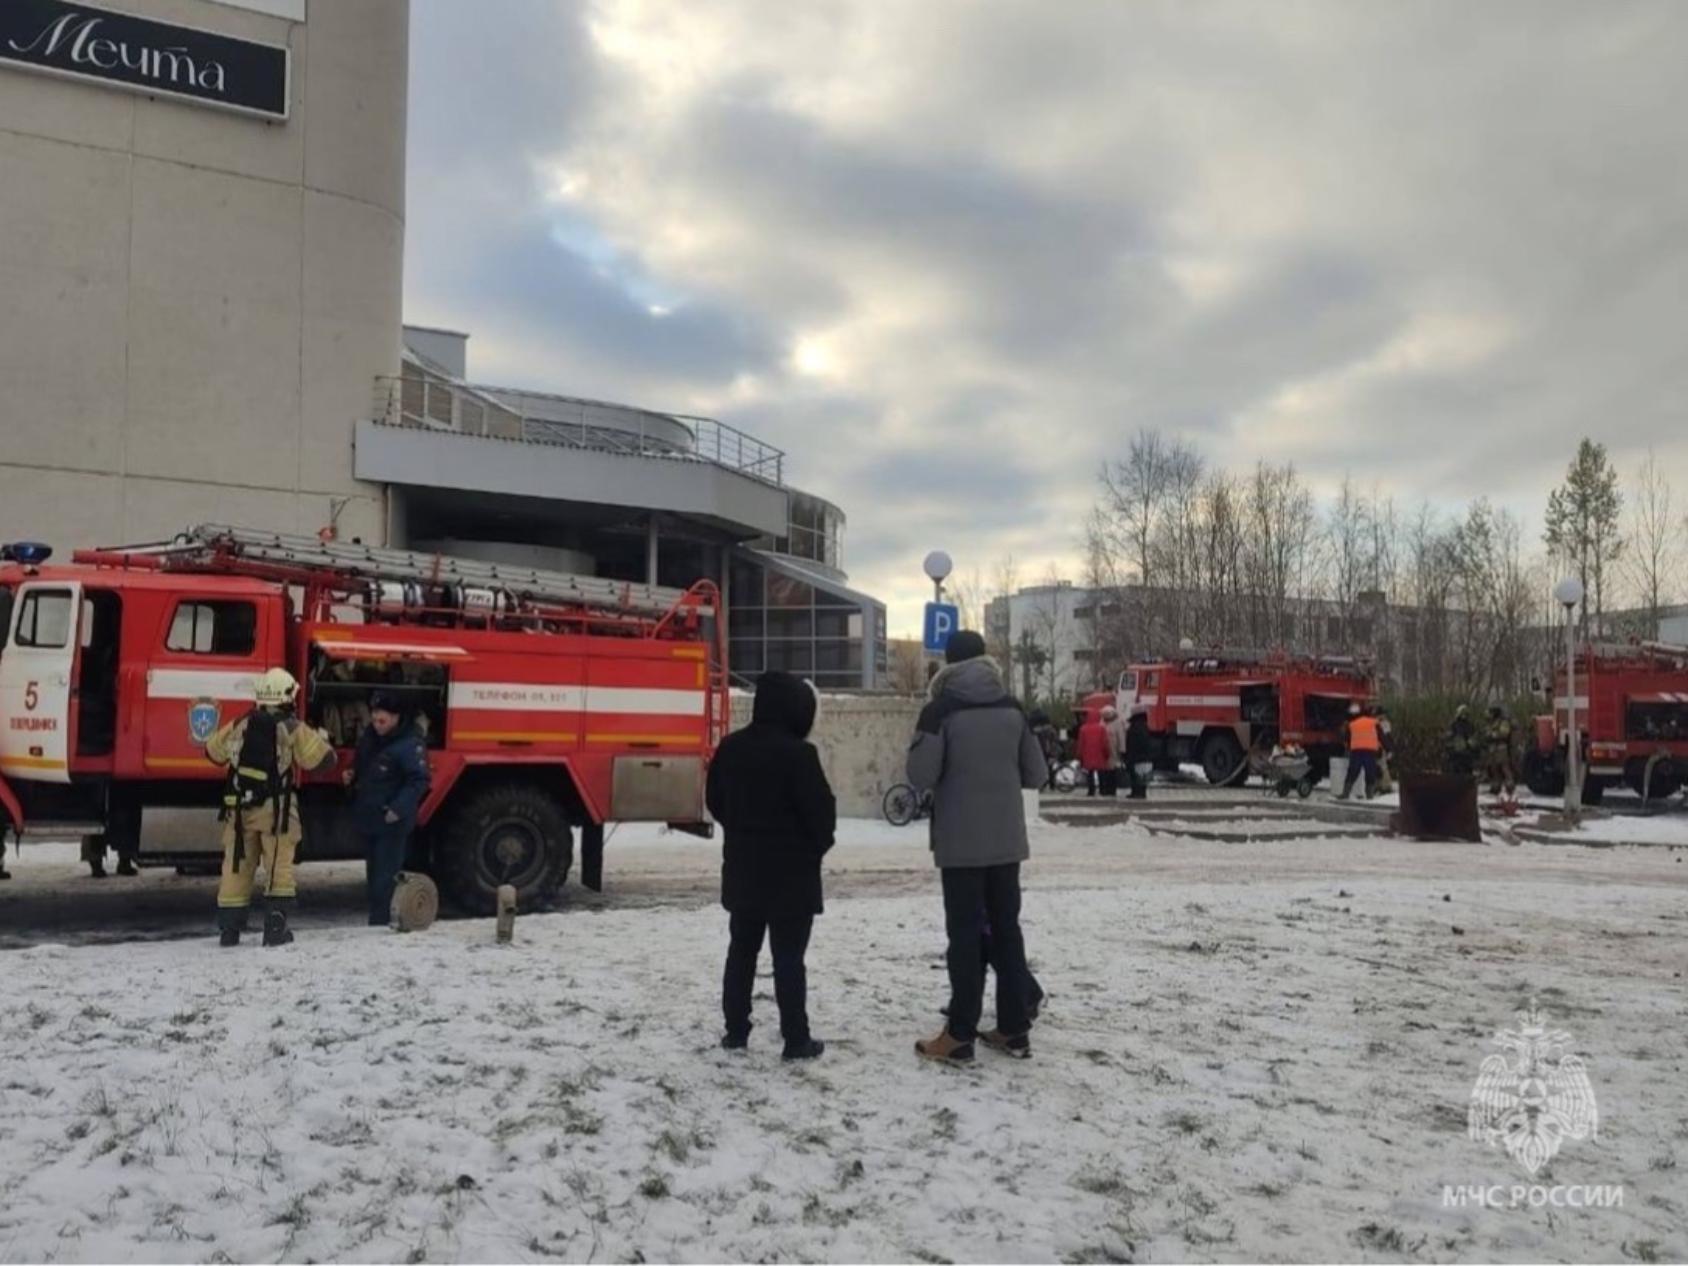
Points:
(1385, 1239)
(1104, 1182)
(1640, 1250)
(1185, 1122)
(37, 1016)
(944, 1121)
(677, 1147)
(654, 1187)
(1098, 1253)
(1659, 1164)
(1305, 1150)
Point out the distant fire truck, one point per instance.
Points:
(1211, 708)
(550, 701)
(1632, 722)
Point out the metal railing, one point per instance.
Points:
(430, 404)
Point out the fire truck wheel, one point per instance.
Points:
(506, 833)
(1221, 755)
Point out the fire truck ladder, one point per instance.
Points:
(213, 545)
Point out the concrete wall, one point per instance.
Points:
(863, 740)
(197, 302)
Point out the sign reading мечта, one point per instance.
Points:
(146, 56)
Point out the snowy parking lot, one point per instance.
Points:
(1262, 1050)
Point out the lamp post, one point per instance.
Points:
(937, 568)
(1568, 592)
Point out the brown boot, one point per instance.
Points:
(945, 1049)
(1019, 1047)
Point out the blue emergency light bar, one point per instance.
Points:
(29, 553)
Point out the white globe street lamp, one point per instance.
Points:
(1568, 593)
(938, 566)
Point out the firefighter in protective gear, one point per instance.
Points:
(263, 752)
(1497, 761)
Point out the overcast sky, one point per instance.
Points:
(950, 255)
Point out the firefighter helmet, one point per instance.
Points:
(275, 688)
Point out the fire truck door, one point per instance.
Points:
(209, 650)
(37, 669)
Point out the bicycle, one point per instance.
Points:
(903, 804)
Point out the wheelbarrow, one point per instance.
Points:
(1284, 773)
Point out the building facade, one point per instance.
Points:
(202, 263)
(201, 252)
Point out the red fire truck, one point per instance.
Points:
(550, 701)
(1632, 722)
(1213, 707)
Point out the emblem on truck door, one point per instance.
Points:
(203, 716)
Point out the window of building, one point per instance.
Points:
(791, 624)
(791, 657)
(746, 657)
(44, 619)
(744, 584)
(1084, 613)
(206, 627)
(839, 657)
(744, 622)
(783, 591)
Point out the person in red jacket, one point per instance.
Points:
(1095, 754)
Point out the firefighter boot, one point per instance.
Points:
(126, 865)
(231, 922)
(276, 931)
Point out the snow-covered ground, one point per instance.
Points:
(1259, 1052)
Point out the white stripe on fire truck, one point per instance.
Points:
(1582, 702)
(500, 696)
(1203, 701)
(198, 683)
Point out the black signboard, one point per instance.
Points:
(147, 56)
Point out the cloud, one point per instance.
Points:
(950, 257)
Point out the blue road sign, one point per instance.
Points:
(941, 620)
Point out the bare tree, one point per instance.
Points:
(1584, 518)
(907, 667)
(1653, 561)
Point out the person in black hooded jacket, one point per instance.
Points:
(767, 789)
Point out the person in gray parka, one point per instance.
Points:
(975, 751)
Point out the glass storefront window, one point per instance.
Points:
(744, 622)
(745, 584)
(783, 591)
(791, 624)
(839, 656)
(791, 657)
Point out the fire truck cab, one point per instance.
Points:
(1632, 722)
(549, 702)
(1214, 708)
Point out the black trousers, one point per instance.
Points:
(1361, 763)
(974, 897)
(789, 940)
(383, 859)
(1139, 784)
(1109, 779)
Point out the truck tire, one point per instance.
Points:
(1665, 783)
(505, 833)
(1222, 757)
